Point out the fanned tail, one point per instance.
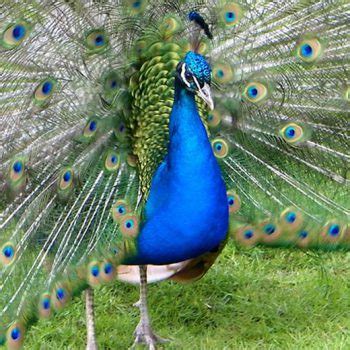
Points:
(76, 141)
(66, 160)
(283, 113)
(85, 94)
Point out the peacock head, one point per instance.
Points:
(194, 72)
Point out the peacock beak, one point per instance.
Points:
(205, 94)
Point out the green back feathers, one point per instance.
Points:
(152, 89)
(85, 94)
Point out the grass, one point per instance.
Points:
(250, 299)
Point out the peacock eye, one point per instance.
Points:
(223, 73)
(14, 336)
(45, 305)
(188, 77)
(233, 201)
(303, 234)
(17, 173)
(110, 84)
(107, 271)
(294, 133)
(135, 7)
(214, 119)
(220, 147)
(334, 230)
(96, 41)
(119, 209)
(7, 254)
(44, 91)
(309, 50)
(170, 26)
(255, 92)
(231, 14)
(65, 182)
(129, 225)
(91, 128)
(112, 161)
(14, 34)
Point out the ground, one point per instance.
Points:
(251, 299)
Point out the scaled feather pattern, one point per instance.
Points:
(109, 156)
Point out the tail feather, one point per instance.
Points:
(73, 117)
(64, 159)
(288, 137)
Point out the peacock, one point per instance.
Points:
(137, 137)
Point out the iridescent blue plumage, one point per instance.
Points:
(198, 66)
(91, 170)
(187, 209)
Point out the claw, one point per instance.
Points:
(143, 332)
(144, 335)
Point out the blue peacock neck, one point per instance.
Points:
(189, 145)
(186, 211)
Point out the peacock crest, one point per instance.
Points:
(88, 97)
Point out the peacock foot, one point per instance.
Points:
(144, 335)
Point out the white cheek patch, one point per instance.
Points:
(183, 71)
(196, 81)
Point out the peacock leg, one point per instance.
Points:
(90, 321)
(143, 332)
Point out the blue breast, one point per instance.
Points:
(186, 213)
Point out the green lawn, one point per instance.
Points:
(250, 299)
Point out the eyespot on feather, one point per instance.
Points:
(96, 40)
(107, 270)
(270, 231)
(111, 84)
(140, 48)
(60, 296)
(8, 254)
(234, 202)
(65, 181)
(44, 91)
(44, 306)
(291, 219)
(222, 73)
(203, 47)
(305, 237)
(112, 161)
(247, 236)
(120, 131)
(17, 172)
(93, 273)
(14, 34)
(332, 232)
(255, 92)
(230, 14)
(294, 133)
(15, 336)
(135, 7)
(309, 50)
(170, 25)
(119, 209)
(91, 128)
(214, 119)
(220, 148)
(129, 225)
